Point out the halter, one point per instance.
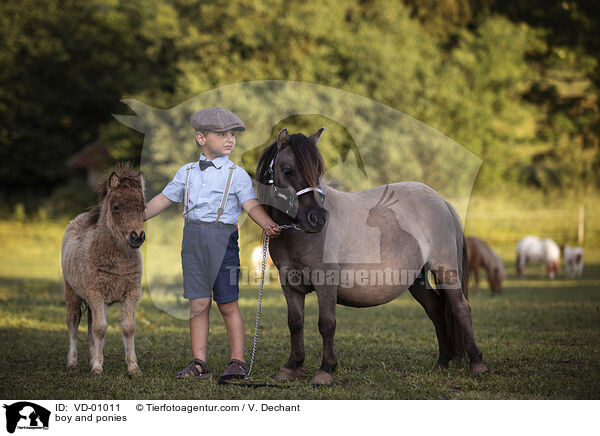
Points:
(285, 199)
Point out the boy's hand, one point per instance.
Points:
(260, 217)
(272, 230)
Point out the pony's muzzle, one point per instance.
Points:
(135, 240)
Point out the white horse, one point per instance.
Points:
(537, 250)
(573, 257)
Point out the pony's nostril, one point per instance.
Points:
(133, 237)
(142, 236)
(313, 218)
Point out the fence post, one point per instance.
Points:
(580, 226)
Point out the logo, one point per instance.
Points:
(26, 415)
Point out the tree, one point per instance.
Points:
(63, 67)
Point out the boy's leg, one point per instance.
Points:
(226, 292)
(235, 328)
(199, 309)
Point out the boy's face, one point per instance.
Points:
(215, 144)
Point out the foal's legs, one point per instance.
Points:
(128, 331)
(432, 303)
(90, 338)
(98, 309)
(73, 317)
(295, 304)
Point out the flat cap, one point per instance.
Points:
(216, 119)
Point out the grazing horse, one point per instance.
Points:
(481, 255)
(573, 257)
(537, 250)
(413, 230)
(102, 264)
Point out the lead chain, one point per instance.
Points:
(260, 292)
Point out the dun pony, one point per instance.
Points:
(401, 228)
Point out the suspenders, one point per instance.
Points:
(186, 194)
(223, 199)
(225, 193)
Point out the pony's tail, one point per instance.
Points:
(454, 332)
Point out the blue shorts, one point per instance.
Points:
(210, 259)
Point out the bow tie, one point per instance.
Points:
(204, 164)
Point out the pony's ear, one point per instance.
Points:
(142, 180)
(316, 137)
(113, 181)
(282, 139)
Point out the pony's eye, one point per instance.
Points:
(287, 171)
(116, 207)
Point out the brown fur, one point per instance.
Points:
(480, 255)
(102, 265)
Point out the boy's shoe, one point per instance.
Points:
(236, 369)
(197, 368)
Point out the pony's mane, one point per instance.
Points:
(309, 160)
(127, 175)
(93, 215)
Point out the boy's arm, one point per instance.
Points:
(260, 217)
(156, 206)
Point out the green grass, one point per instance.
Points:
(540, 339)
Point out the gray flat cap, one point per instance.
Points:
(216, 119)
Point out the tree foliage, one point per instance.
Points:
(516, 82)
(63, 67)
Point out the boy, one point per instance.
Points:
(210, 238)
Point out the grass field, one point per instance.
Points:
(540, 338)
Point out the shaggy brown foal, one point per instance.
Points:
(102, 264)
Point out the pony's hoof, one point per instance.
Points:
(135, 372)
(322, 378)
(96, 372)
(285, 374)
(478, 368)
(440, 367)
